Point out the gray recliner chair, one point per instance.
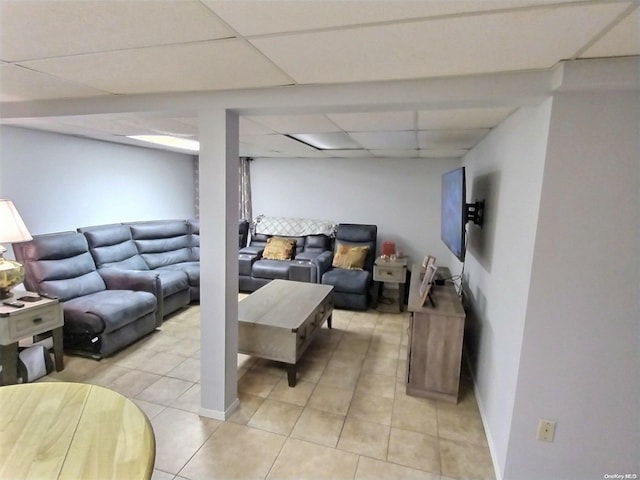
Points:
(351, 287)
(104, 310)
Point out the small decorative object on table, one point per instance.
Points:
(427, 280)
(12, 230)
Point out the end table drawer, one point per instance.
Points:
(34, 323)
(389, 274)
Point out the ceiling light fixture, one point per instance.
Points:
(169, 141)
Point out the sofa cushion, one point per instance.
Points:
(194, 229)
(59, 264)
(112, 246)
(308, 255)
(191, 270)
(106, 311)
(172, 281)
(164, 242)
(271, 269)
(317, 243)
(351, 257)
(68, 288)
(347, 281)
(279, 248)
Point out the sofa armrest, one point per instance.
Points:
(245, 263)
(323, 263)
(255, 250)
(140, 281)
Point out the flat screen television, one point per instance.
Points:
(453, 215)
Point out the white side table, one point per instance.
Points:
(44, 315)
(390, 271)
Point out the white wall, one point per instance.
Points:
(60, 182)
(580, 359)
(505, 169)
(400, 196)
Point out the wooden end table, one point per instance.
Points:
(35, 318)
(390, 271)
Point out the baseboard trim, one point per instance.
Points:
(219, 414)
(494, 459)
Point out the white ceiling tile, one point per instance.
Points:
(442, 153)
(258, 17)
(346, 153)
(391, 153)
(386, 140)
(165, 126)
(623, 39)
(142, 125)
(215, 65)
(49, 125)
(18, 84)
(374, 121)
(523, 39)
(249, 127)
(71, 27)
(110, 124)
(296, 123)
(450, 139)
(276, 143)
(462, 118)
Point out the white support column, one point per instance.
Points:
(218, 263)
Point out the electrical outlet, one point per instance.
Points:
(546, 430)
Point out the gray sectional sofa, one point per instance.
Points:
(116, 282)
(104, 310)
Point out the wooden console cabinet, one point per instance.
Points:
(434, 352)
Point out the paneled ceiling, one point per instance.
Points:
(76, 50)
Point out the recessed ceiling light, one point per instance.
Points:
(169, 141)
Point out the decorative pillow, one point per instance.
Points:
(279, 248)
(350, 256)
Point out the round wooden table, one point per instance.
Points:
(59, 430)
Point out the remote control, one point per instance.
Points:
(30, 298)
(13, 304)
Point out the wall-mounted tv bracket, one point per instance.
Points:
(475, 212)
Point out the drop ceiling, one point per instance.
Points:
(80, 51)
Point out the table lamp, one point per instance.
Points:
(12, 230)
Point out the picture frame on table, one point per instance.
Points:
(427, 282)
(428, 260)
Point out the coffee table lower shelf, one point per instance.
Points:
(279, 321)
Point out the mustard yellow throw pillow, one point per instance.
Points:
(350, 256)
(279, 248)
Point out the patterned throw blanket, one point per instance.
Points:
(292, 227)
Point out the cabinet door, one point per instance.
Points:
(436, 353)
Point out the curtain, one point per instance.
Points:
(245, 188)
(196, 169)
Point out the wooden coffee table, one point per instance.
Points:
(279, 321)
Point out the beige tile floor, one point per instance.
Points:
(347, 418)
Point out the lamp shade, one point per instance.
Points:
(12, 228)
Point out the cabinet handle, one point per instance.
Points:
(37, 320)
